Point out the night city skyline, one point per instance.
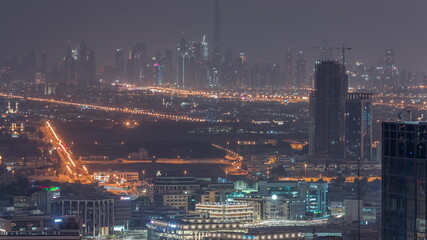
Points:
(213, 120)
(261, 30)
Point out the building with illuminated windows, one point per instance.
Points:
(212, 229)
(227, 212)
(97, 215)
(191, 228)
(404, 178)
(275, 207)
(39, 227)
(358, 119)
(116, 176)
(313, 194)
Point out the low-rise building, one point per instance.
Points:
(176, 200)
(227, 212)
(189, 228)
(313, 193)
(275, 207)
(97, 214)
(177, 184)
(39, 227)
(116, 176)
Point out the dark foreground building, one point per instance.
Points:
(404, 170)
(327, 111)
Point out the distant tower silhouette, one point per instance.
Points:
(289, 81)
(301, 71)
(217, 36)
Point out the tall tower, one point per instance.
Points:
(205, 49)
(82, 63)
(43, 64)
(91, 68)
(182, 64)
(390, 71)
(69, 67)
(301, 71)
(289, 82)
(136, 67)
(217, 36)
(358, 123)
(119, 65)
(327, 111)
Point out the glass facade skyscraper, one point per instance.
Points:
(404, 175)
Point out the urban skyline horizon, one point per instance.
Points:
(274, 42)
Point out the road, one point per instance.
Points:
(71, 168)
(147, 113)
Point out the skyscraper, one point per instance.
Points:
(404, 177)
(119, 65)
(28, 66)
(390, 70)
(243, 71)
(182, 64)
(327, 110)
(68, 67)
(205, 49)
(137, 71)
(82, 63)
(301, 71)
(168, 67)
(358, 119)
(228, 78)
(215, 68)
(216, 55)
(289, 81)
(43, 62)
(91, 68)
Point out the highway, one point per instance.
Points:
(244, 97)
(416, 101)
(114, 109)
(236, 161)
(73, 170)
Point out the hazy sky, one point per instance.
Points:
(261, 28)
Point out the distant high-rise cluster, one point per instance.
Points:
(192, 68)
(77, 67)
(196, 64)
(138, 68)
(384, 75)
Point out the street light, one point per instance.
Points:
(305, 169)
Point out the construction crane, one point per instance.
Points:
(343, 50)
